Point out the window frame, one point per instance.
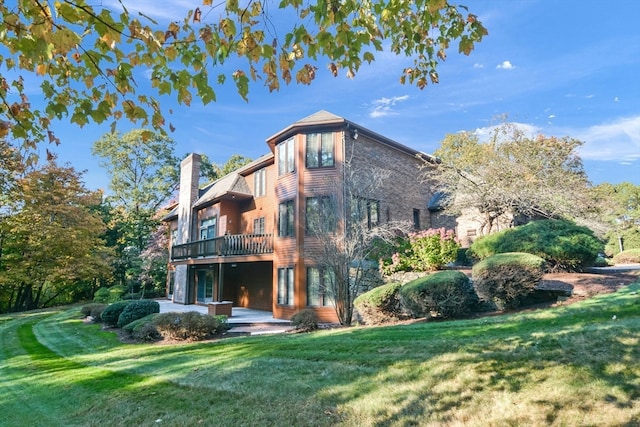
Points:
(286, 218)
(362, 209)
(416, 219)
(260, 225)
(325, 206)
(286, 157)
(206, 228)
(320, 292)
(286, 282)
(320, 150)
(260, 183)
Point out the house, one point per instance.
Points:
(243, 237)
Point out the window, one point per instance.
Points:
(319, 152)
(286, 226)
(260, 183)
(285, 286)
(258, 225)
(286, 157)
(208, 228)
(174, 237)
(416, 219)
(320, 215)
(365, 210)
(320, 282)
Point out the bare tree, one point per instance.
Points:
(343, 231)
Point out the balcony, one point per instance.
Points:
(230, 244)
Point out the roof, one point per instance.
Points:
(232, 186)
(437, 201)
(326, 119)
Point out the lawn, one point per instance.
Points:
(573, 365)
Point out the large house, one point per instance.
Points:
(243, 237)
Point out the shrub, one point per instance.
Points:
(630, 240)
(147, 332)
(190, 325)
(136, 324)
(109, 295)
(563, 244)
(88, 308)
(380, 305)
(305, 320)
(137, 310)
(101, 296)
(506, 279)
(425, 250)
(96, 313)
(447, 294)
(630, 256)
(112, 312)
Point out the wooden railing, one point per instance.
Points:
(230, 244)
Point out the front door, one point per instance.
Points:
(205, 286)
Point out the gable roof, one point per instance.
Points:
(232, 186)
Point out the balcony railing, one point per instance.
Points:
(230, 244)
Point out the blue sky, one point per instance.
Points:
(561, 68)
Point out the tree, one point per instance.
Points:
(144, 173)
(510, 174)
(212, 171)
(345, 237)
(51, 240)
(153, 274)
(619, 210)
(87, 58)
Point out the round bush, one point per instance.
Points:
(563, 244)
(380, 305)
(137, 310)
(506, 279)
(190, 325)
(447, 294)
(136, 324)
(630, 256)
(101, 296)
(305, 320)
(111, 314)
(88, 308)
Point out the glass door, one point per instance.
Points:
(206, 283)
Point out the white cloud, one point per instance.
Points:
(476, 65)
(615, 141)
(384, 106)
(485, 133)
(552, 116)
(506, 65)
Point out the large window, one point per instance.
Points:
(320, 216)
(320, 283)
(319, 150)
(365, 210)
(208, 228)
(286, 157)
(285, 286)
(286, 225)
(260, 183)
(258, 225)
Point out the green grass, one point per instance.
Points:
(573, 365)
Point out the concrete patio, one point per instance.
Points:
(242, 320)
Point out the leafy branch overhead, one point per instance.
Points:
(90, 60)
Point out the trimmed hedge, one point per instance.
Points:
(190, 325)
(506, 279)
(563, 244)
(137, 310)
(630, 256)
(305, 320)
(447, 294)
(380, 305)
(111, 314)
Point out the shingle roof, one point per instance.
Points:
(232, 185)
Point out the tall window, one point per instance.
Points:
(260, 183)
(286, 226)
(319, 152)
(285, 286)
(174, 237)
(286, 157)
(365, 210)
(320, 215)
(319, 286)
(258, 225)
(416, 219)
(208, 228)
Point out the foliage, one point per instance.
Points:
(147, 332)
(137, 310)
(563, 244)
(305, 320)
(153, 270)
(111, 314)
(88, 58)
(109, 295)
(380, 305)
(507, 278)
(190, 325)
(630, 256)
(447, 294)
(425, 250)
(91, 309)
(510, 174)
(102, 296)
(619, 209)
(131, 327)
(47, 208)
